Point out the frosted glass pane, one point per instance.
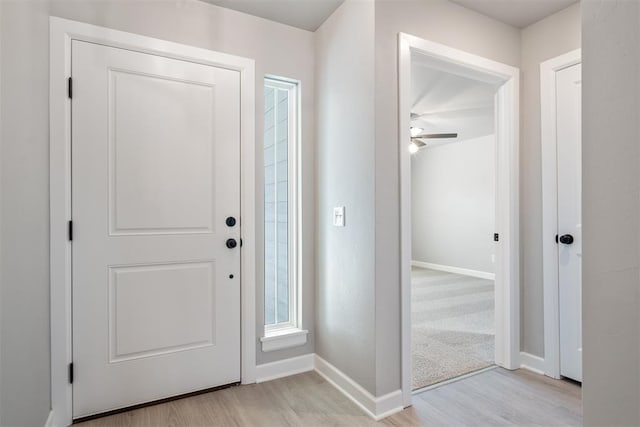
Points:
(276, 208)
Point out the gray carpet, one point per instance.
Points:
(452, 325)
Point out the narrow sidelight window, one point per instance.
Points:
(280, 204)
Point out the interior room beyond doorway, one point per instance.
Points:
(453, 168)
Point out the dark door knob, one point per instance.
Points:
(567, 239)
(230, 221)
(231, 243)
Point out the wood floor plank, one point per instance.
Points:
(501, 397)
(494, 397)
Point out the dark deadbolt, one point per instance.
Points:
(231, 243)
(567, 239)
(231, 221)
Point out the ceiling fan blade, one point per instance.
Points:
(417, 141)
(436, 136)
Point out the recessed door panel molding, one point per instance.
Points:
(168, 125)
(155, 173)
(160, 308)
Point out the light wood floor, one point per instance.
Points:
(495, 397)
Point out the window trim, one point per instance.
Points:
(289, 334)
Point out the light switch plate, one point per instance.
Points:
(338, 216)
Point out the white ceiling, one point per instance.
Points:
(450, 100)
(310, 14)
(305, 14)
(518, 13)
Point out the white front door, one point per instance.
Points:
(155, 175)
(569, 143)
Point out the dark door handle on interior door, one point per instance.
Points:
(566, 239)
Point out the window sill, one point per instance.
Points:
(284, 338)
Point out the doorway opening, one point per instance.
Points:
(453, 206)
(458, 142)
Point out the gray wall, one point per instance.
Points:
(1, 334)
(453, 204)
(611, 212)
(358, 319)
(546, 39)
(352, 163)
(24, 219)
(24, 165)
(345, 176)
(440, 21)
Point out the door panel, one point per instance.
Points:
(569, 143)
(155, 172)
(177, 301)
(176, 193)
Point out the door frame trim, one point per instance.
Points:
(61, 33)
(507, 192)
(549, 162)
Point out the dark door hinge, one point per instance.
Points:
(70, 230)
(70, 88)
(71, 373)
(496, 237)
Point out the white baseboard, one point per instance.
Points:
(49, 422)
(456, 270)
(284, 368)
(532, 363)
(376, 407)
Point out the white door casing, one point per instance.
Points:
(569, 148)
(507, 136)
(551, 151)
(155, 173)
(62, 33)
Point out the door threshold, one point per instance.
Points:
(452, 380)
(153, 402)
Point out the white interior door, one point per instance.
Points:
(568, 93)
(155, 174)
